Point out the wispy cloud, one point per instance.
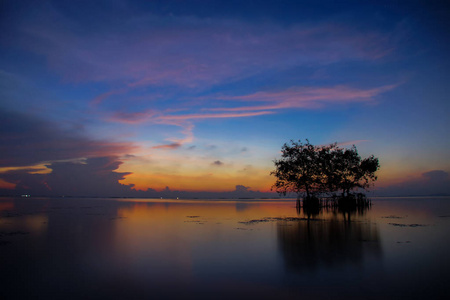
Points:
(185, 122)
(267, 102)
(213, 116)
(307, 97)
(189, 51)
(192, 56)
(100, 98)
(168, 147)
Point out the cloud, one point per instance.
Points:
(213, 116)
(168, 147)
(97, 100)
(302, 97)
(217, 163)
(436, 176)
(159, 54)
(27, 140)
(272, 100)
(92, 177)
(242, 188)
(435, 182)
(186, 51)
(187, 131)
(182, 120)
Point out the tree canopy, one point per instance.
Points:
(310, 170)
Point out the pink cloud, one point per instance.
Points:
(213, 116)
(304, 97)
(188, 134)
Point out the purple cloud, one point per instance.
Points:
(27, 140)
(242, 188)
(93, 177)
(436, 182)
(437, 176)
(188, 51)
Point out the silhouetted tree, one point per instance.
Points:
(310, 170)
(350, 171)
(298, 170)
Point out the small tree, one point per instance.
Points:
(310, 170)
(298, 170)
(351, 172)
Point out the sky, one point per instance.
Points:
(136, 98)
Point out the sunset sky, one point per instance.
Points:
(107, 97)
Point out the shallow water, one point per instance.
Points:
(161, 249)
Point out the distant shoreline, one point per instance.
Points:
(209, 198)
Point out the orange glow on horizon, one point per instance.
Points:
(194, 174)
(196, 183)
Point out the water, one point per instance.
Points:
(247, 249)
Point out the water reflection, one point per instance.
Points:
(142, 249)
(71, 248)
(242, 206)
(313, 210)
(332, 239)
(58, 249)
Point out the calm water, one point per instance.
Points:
(142, 249)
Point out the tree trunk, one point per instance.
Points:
(307, 191)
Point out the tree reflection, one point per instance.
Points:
(333, 239)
